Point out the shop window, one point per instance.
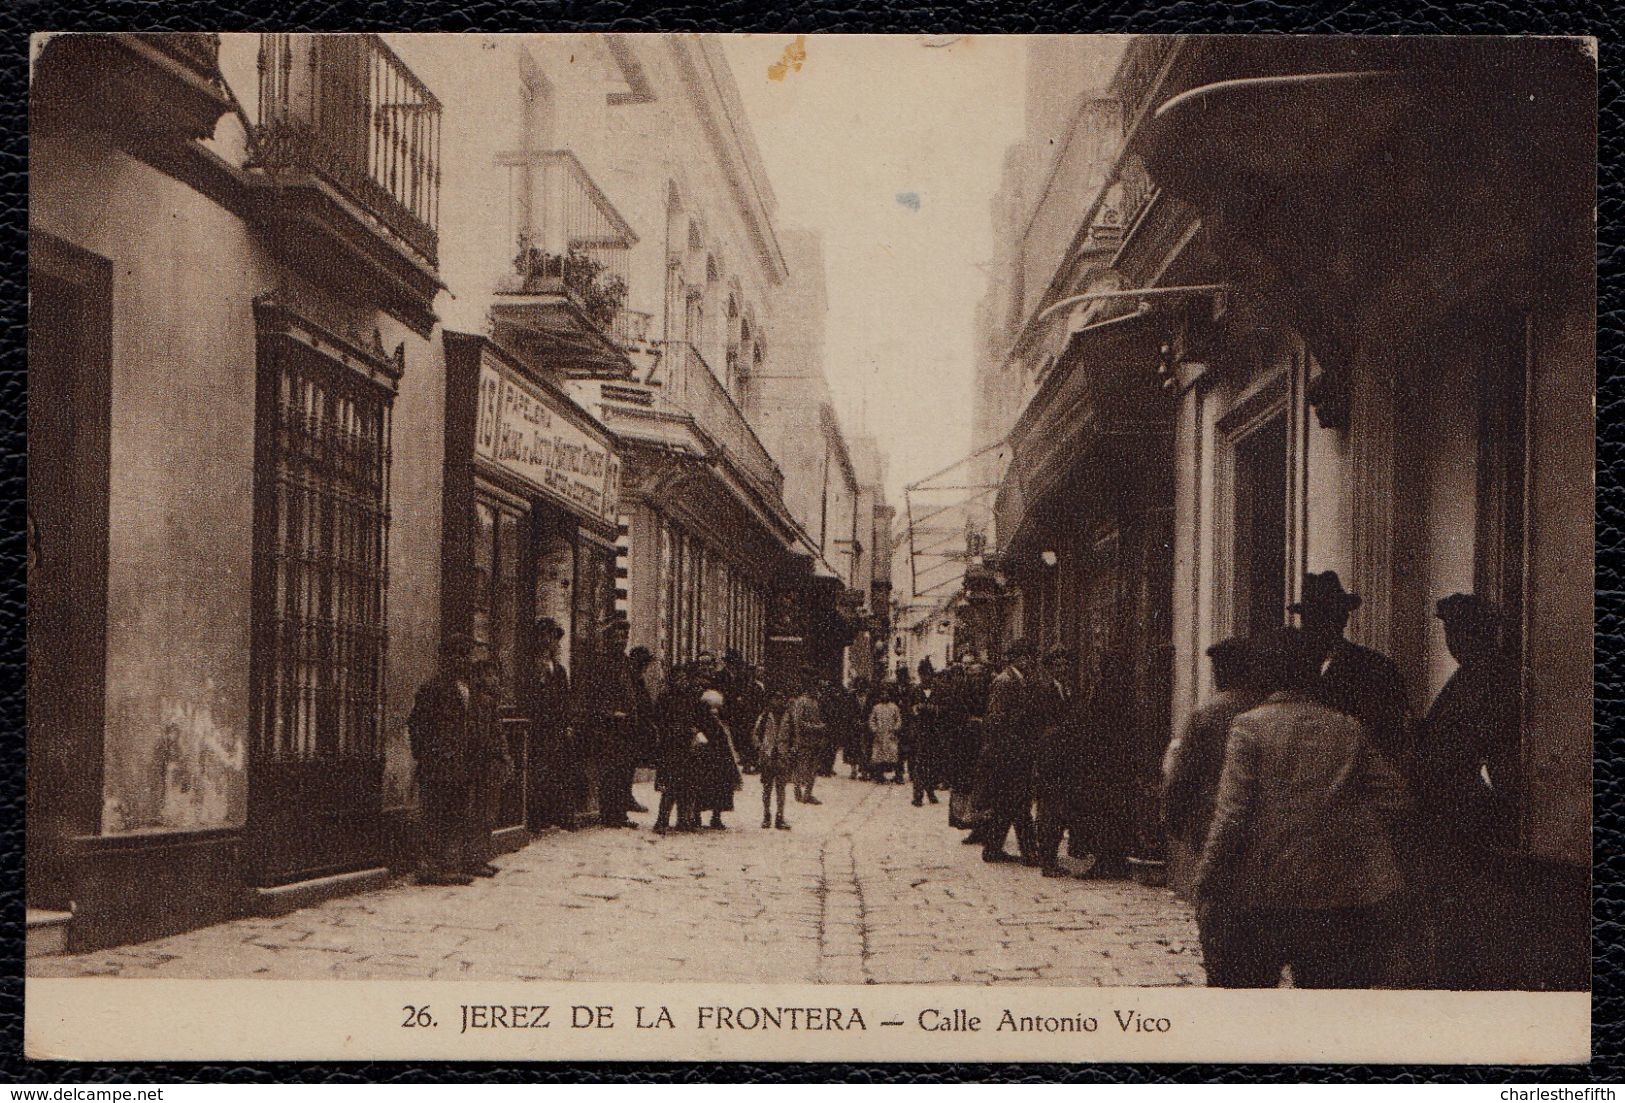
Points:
(497, 570)
(1260, 551)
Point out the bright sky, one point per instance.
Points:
(891, 148)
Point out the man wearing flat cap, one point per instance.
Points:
(1191, 766)
(1354, 680)
(1466, 788)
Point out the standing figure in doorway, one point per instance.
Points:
(553, 779)
(612, 714)
(489, 768)
(439, 728)
(1467, 798)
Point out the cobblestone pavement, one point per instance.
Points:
(864, 888)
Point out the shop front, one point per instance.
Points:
(531, 491)
(1429, 231)
(1085, 516)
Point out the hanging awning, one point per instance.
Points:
(1102, 398)
(1454, 175)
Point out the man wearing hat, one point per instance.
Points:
(553, 781)
(612, 716)
(1466, 788)
(1007, 742)
(440, 730)
(1058, 766)
(1190, 768)
(1354, 680)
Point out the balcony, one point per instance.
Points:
(139, 87)
(688, 383)
(347, 154)
(565, 304)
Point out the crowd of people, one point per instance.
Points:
(1327, 830)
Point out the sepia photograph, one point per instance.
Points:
(742, 545)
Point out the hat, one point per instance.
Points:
(547, 626)
(1324, 590)
(1232, 648)
(1019, 649)
(458, 643)
(1467, 609)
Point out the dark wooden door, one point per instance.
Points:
(69, 373)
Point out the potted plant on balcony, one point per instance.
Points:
(600, 294)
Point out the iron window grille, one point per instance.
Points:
(323, 550)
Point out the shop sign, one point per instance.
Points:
(519, 428)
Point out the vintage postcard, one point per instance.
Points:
(798, 547)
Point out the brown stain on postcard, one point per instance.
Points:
(795, 55)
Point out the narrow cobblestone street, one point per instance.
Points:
(864, 889)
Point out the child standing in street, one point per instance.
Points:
(775, 756)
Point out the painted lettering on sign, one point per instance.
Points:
(519, 429)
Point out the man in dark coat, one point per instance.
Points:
(854, 745)
(1058, 764)
(674, 765)
(1354, 680)
(489, 768)
(745, 697)
(555, 782)
(924, 725)
(439, 729)
(1007, 760)
(1191, 765)
(611, 713)
(1466, 786)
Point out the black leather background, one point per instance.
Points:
(17, 19)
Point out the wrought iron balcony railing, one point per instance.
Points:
(346, 109)
(561, 217)
(688, 383)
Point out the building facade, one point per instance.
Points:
(394, 338)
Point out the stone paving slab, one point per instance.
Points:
(865, 888)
